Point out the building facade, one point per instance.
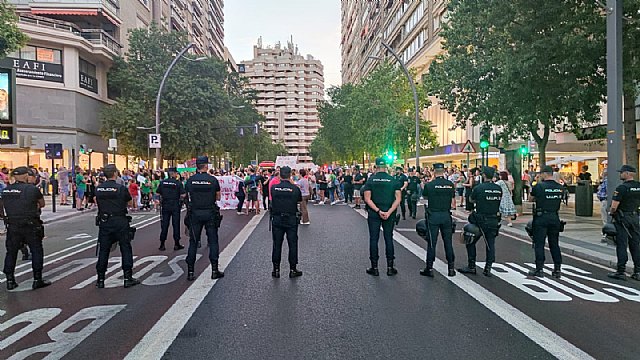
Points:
(289, 88)
(61, 75)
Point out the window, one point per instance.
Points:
(41, 54)
(87, 68)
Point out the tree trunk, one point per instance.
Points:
(542, 142)
(630, 139)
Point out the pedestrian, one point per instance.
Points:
(322, 185)
(44, 181)
(171, 193)
(358, 182)
(507, 207)
(133, 191)
(584, 174)
(402, 179)
(154, 191)
(264, 183)
(547, 195)
(63, 183)
(469, 184)
(486, 216)
(203, 191)
(348, 186)
(331, 187)
(114, 227)
(460, 178)
(624, 210)
(441, 196)
(305, 190)
(382, 195)
(284, 221)
(526, 184)
(241, 194)
(22, 202)
(604, 203)
(252, 183)
(413, 192)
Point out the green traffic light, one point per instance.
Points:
(524, 150)
(484, 143)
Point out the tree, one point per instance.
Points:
(11, 38)
(524, 68)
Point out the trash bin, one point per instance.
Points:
(584, 198)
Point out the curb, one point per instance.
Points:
(68, 215)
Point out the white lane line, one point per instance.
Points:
(91, 242)
(538, 333)
(157, 341)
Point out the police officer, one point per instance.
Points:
(203, 191)
(382, 194)
(624, 210)
(404, 182)
(413, 192)
(486, 215)
(440, 194)
(284, 219)
(22, 203)
(547, 195)
(112, 199)
(171, 192)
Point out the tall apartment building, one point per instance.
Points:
(290, 87)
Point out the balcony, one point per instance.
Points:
(71, 7)
(178, 19)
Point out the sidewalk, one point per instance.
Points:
(62, 212)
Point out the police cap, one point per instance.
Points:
(381, 162)
(285, 172)
(22, 170)
(547, 169)
(172, 170)
(200, 160)
(399, 168)
(32, 172)
(110, 168)
(627, 168)
(438, 166)
(489, 171)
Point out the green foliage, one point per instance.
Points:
(372, 117)
(11, 37)
(525, 68)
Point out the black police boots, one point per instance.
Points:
(129, 280)
(276, 271)
(38, 282)
(618, 275)
(538, 272)
(428, 271)
(373, 270)
(294, 272)
(11, 282)
(190, 273)
(636, 276)
(487, 270)
(100, 281)
(215, 273)
(178, 246)
(390, 269)
(469, 269)
(452, 270)
(162, 247)
(557, 271)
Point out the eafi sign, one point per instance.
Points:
(34, 70)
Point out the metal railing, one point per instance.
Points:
(111, 5)
(100, 37)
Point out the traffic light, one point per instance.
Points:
(524, 150)
(83, 149)
(484, 143)
(391, 156)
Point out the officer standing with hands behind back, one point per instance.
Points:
(413, 192)
(22, 203)
(382, 195)
(203, 191)
(171, 193)
(624, 210)
(547, 195)
(441, 196)
(112, 199)
(285, 198)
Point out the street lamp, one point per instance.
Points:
(415, 96)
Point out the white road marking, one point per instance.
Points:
(79, 236)
(156, 342)
(545, 338)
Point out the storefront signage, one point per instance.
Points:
(88, 82)
(7, 106)
(34, 70)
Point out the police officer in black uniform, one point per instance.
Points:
(171, 192)
(382, 195)
(440, 194)
(112, 199)
(624, 210)
(413, 192)
(284, 220)
(486, 215)
(547, 195)
(22, 203)
(404, 182)
(203, 191)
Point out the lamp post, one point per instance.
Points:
(614, 90)
(415, 96)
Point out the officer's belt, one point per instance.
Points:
(439, 211)
(542, 212)
(113, 214)
(284, 214)
(623, 213)
(15, 220)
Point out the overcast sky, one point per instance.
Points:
(314, 25)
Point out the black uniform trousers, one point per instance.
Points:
(172, 215)
(348, 193)
(489, 227)
(413, 203)
(114, 230)
(17, 236)
(375, 221)
(203, 219)
(547, 226)
(628, 234)
(281, 225)
(402, 206)
(440, 222)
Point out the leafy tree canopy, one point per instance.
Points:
(11, 37)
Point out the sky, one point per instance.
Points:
(314, 25)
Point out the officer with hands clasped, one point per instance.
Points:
(22, 203)
(382, 194)
(547, 195)
(440, 194)
(404, 182)
(284, 220)
(486, 217)
(624, 210)
(203, 191)
(112, 199)
(171, 193)
(413, 192)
